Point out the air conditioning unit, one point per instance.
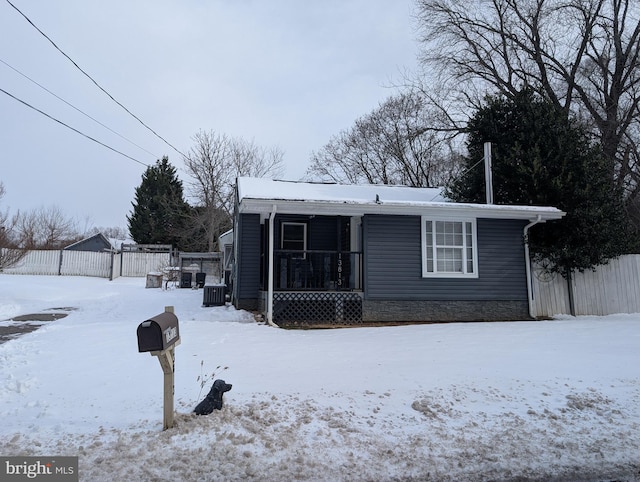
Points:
(214, 295)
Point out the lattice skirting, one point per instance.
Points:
(317, 308)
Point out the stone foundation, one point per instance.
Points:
(435, 311)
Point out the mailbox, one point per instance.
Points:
(158, 333)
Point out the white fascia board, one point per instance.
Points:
(448, 209)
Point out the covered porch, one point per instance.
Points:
(317, 287)
(316, 268)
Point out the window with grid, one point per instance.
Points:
(449, 248)
(294, 236)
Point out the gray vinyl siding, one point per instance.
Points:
(248, 262)
(393, 262)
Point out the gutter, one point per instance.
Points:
(270, 282)
(358, 208)
(527, 263)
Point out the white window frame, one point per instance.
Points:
(289, 223)
(463, 247)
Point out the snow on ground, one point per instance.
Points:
(552, 400)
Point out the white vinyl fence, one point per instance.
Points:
(139, 264)
(37, 262)
(88, 263)
(611, 288)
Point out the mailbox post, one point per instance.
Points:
(159, 336)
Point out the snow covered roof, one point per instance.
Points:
(259, 188)
(259, 195)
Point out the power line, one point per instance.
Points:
(72, 128)
(77, 109)
(93, 80)
(461, 174)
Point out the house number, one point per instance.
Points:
(339, 271)
(170, 334)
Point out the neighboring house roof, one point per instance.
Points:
(258, 195)
(97, 242)
(225, 238)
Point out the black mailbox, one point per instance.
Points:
(158, 333)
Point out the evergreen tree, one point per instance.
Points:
(159, 210)
(541, 158)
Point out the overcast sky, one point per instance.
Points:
(287, 73)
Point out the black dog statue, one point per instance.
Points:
(214, 399)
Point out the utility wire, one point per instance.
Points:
(74, 107)
(93, 80)
(72, 128)
(461, 174)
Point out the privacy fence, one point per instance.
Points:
(87, 263)
(610, 288)
(111, 265)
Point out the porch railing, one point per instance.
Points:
(317, 270)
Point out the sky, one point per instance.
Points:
(524, 400)
(283, 73)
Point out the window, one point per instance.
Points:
(449, 248)
(294, 236)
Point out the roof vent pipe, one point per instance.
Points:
(488, 178)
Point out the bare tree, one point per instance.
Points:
(56, 230)
(4, 215)
(10, 251)
(213, 164)
(583, 55)
(45, 228)
(400, 142)
(42, 228)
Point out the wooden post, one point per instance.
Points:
(167, 362)
(572, 301)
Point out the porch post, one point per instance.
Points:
(270, 273)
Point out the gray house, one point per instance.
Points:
(97, 243)
(327, 254)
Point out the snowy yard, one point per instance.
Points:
(552, 400)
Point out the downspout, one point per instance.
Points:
(527, 264)
(270, 272)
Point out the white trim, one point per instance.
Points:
(527, 266)
(423, 247)
(449, 210)
(270, 274)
